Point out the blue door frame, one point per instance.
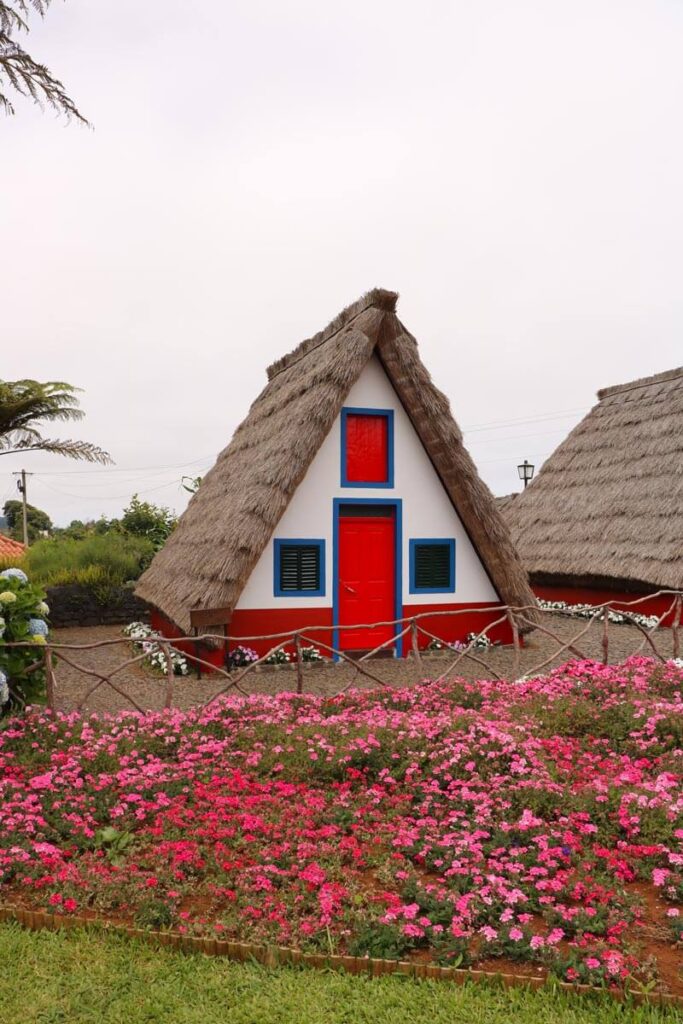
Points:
(397, 505)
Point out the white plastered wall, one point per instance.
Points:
(427, 509)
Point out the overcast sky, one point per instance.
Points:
(513, 169)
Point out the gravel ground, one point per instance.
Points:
(148, 688)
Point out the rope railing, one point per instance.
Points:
(519, 619)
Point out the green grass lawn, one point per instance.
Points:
(78, 977)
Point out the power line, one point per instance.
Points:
(107, 497)
(121, 469)
(499, 424)
(517, 437)
(507, 458)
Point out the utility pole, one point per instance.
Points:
(21, 487)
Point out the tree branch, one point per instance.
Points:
(71, 449)
(24, 74)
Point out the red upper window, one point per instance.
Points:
(367, 448)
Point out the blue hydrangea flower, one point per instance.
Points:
(4, 688)
(37, 627)
(14, 574)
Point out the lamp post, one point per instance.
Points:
(526, 472)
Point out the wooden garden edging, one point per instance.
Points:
(285, 956)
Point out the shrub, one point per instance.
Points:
(153, 522)
(106, 560)
(311, 653)
(144, 641)
(22, 620)
(241, 656)
(281, 657)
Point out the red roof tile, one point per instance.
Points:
(10, 548)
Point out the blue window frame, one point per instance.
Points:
(299, 568)
(388, 414)
(432, 565)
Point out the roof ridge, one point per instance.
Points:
(379, 297)
(641, 382)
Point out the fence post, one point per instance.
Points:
(170, 676)
(415, 640)
(605, 635)
(675, 626)
(299, 669)
(49, 680)
(515, 642)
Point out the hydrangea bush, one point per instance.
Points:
(539, 821)
(23, 614)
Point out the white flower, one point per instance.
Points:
(4, 688)
(43, 608)
(14, 574)
(7, 597)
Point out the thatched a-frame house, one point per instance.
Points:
(346, 496)
(603, 520)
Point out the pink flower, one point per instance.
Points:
(70, 905)
(537, 942)
(592, 963)
(516, 934)
(313, 874)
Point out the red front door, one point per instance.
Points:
(367, 578)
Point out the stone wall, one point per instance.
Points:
(75, 605)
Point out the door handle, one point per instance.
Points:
(347, 587)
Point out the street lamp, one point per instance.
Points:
(526, 472)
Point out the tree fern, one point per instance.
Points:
(19, 71)
(24, 404)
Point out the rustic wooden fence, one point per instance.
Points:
(519, 619)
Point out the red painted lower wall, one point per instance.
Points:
(212, 655)
(450, 628)
(620, 599)
(259, 622)
(264, 621)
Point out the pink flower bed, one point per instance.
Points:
(535, 821)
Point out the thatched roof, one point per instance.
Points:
(503, 501)
(607, 506)
(208, 558)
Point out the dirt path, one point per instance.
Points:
(148, 688)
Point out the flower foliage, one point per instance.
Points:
(145, 640)
(241, 656)
(461, 821)
(22, 620)
(587, 611)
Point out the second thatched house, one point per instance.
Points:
(346, 497)
(603, 520)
